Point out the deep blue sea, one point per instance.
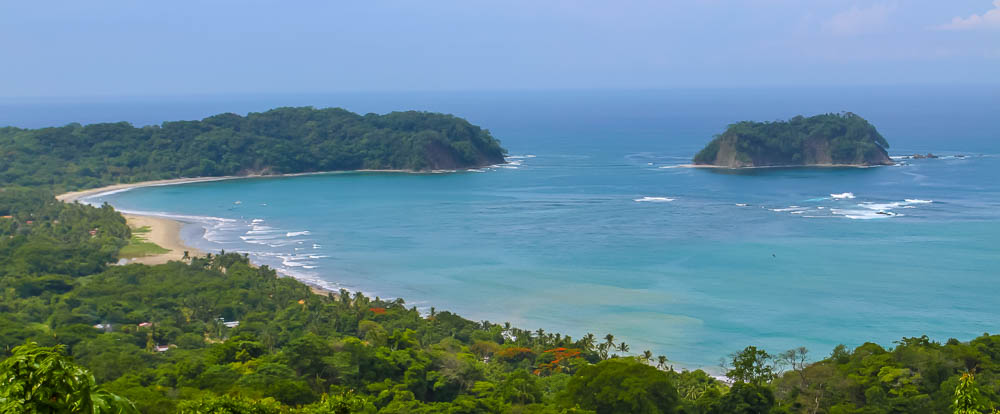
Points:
(592, 227)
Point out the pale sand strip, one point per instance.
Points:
(76, 195)
(164, 232)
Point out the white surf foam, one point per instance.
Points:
(789, 208)
(864, 214)
(297, 233)
(654, 200)
(246, 237)
(880, 206)
(842, 196)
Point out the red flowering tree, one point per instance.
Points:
(514, 354)
(558, 360)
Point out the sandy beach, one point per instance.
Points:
(76, 195)
(162, 231)
(166, 232)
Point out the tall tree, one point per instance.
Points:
(751, 366)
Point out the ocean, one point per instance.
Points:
(593, 227)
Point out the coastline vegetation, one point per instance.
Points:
(139, 246)
(828, 139)
(215, 334)
(279, 141)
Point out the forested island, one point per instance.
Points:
(828, 140)
(215, 334)
(282, 140)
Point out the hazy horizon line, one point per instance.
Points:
(126, 96)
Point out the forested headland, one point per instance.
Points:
(283, 140)
(828, 139)
(215, 334)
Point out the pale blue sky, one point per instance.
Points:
(129, 47)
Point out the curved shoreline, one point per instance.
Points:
(166, 231)
(72, 196)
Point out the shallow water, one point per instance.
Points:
(593, 228)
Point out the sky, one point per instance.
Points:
(139, 48)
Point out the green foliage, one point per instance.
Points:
(745, 398)
(231, 405)
(822, 139)
(751, 366)
(297, 352)
(622, 385)
(968, 399)
(139, 245)
(42, 380)
(283, 140)
(917, 376)
(344, 403)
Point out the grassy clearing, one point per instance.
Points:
(139, 246)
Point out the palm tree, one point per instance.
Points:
(623, 347)
(587, 342)
(602, 350)
(610, 340)
(661, 362)
(647, 356)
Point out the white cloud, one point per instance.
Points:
(988, 20)
(856, 20)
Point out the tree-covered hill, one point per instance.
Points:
(283, 140)
(829, 139)
(218, 335)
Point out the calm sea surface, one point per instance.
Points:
(592, 228)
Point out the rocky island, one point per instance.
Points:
(823, 140)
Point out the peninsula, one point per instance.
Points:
(278, 141)
(842, 139)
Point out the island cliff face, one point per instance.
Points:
(829, 139)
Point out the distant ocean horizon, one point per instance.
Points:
(593, 227)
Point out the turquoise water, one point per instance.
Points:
(593, 228)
